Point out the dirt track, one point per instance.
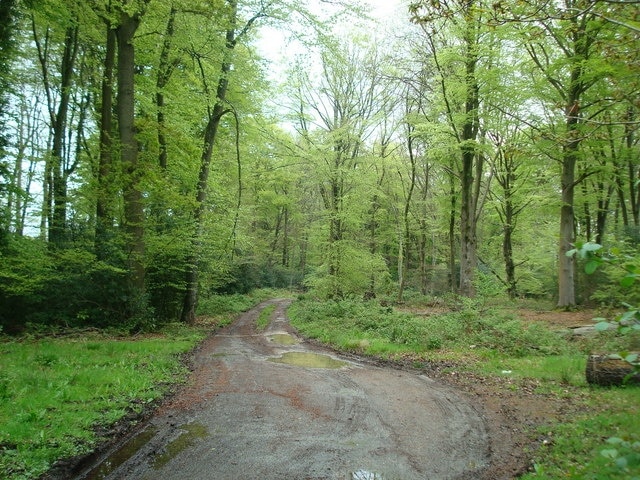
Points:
(245, 415)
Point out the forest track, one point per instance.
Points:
(250, 412)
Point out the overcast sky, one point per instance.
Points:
(273, 43)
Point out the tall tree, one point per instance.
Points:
(8, 12)
(129, 16)
(562, 44)
(216, 110)
(344, 107)
(58, 107)
(104, 178)
(462, 105)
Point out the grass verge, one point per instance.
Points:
(57, 393)
(599, 439)
(264, 318)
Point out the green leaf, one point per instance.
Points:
(602, 326)
(609, 453)
(615, 440)
(628, 280)
(633, 358)
(591, 247)
(591, 266)
(622, 463)
(628, 315)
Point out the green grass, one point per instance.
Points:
(264, 318)
(582, 449)
(55, 394)
(494, 342)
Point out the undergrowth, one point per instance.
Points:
(359, 326)
(56, 393)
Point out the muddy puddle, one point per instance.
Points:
(309, 360)
(190, 434)
(283, 339)
(124, 453)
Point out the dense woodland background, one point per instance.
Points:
(151, 157)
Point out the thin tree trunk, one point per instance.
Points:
(452, 274)
(57, 230)
(190, 303)
(164, 74)
(403, 263)
(104, 221)
(507, 251)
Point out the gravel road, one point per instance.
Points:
(268, 405)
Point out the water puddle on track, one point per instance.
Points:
(124, 453)
(282, 339)
(309, 360)
(364, 475)
(191, 433)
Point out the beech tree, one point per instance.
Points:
(343, 107)
(565, 46)
(458, 71)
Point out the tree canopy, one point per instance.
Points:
(151, 155)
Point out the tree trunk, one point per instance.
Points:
(566, 264)
(104, 215)
(468, 188)
(403, 262)
(507, 251)
(57, 231)
(164, 74)
(133, 202)
(452, 276)
(190, 303)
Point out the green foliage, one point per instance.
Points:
(358, 325)
(359, 272)
(578, 449)
(43, 288)
(55, 393)
(628, 322)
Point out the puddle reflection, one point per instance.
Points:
(124, 453)
(364, 475)
(309, 360)
(190, 434)
(283, 339)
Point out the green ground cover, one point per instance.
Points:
(56, 393)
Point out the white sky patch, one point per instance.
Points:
(277, 47)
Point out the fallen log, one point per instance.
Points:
(611, 370)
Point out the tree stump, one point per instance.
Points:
(610, 370)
